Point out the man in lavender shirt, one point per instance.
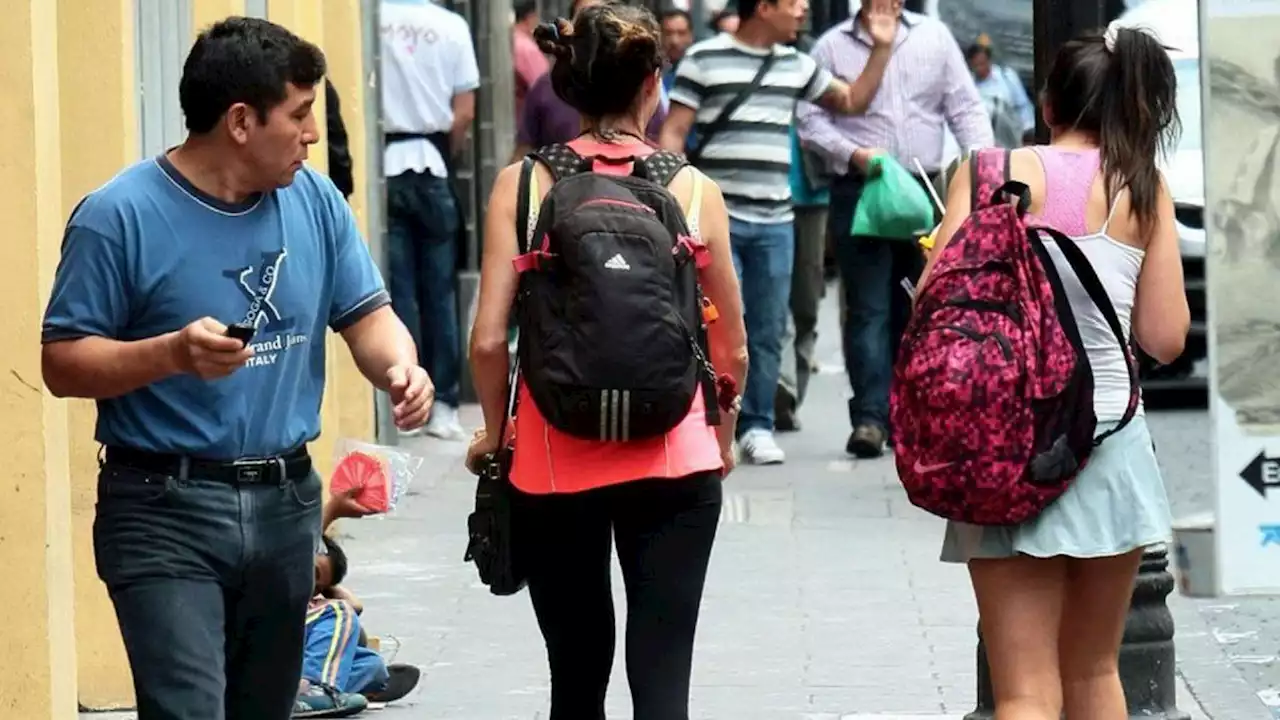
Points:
(926, 89)
(546, 119)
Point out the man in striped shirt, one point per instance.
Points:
(927, 88)
(750, 159)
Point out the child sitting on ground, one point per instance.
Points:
(340, 674)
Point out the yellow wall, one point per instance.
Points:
(96, 63)
(37, 668)
(343, 46)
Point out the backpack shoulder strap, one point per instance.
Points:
(528, 202)
(989, 170)
(562, 160)
(990, 181)
(1092, 284)
(660, 167)
(695, 206)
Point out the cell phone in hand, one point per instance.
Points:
(241, 331)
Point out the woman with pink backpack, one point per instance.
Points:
(1016, 387)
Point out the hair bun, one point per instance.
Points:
(635, 39)
(555, 38)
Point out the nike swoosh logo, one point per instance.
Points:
(922, 468)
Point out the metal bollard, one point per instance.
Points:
(1147, 659)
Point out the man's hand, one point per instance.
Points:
(881, 20)
(412, 394)
(861, 158)
(204, 350)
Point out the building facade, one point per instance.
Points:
(91, 87)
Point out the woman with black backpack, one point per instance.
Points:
(615, 259)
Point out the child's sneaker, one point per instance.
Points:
(322, 701)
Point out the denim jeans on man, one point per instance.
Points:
(210, 583)
(422, 237)
(763, 254)
(876, 306)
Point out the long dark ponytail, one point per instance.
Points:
(1120, 85)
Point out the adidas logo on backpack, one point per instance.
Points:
(992, 395)
(612, 341)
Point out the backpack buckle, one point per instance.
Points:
(530, 261)
(687, 248)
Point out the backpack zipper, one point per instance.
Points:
(1006, 347)
(1009, 310)
(618, 203)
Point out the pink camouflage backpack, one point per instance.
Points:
(992, 397)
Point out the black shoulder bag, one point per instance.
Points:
(492, 528)
(713, 128)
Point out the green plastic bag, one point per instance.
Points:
(893, 204)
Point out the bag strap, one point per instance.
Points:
(991, 183)
(562, 160)
(711, 129)
(1083, 269)
(660, 166)
(695, 207)
(528, 203)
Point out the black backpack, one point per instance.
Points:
(612, 339)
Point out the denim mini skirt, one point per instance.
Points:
(1116, 504)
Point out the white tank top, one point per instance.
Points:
(1117, 266)
(1069, 178)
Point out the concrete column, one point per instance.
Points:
(38, 677)
(344, 48)
(96, 65)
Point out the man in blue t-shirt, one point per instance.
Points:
(192, 301)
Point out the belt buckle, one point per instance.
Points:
(250, 471)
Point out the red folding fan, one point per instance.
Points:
(368, 474)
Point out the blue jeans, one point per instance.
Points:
(422, 230)
(876, 311)
(210, 583)
(333, 654)
(763, 254)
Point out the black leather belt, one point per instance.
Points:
(272, 470)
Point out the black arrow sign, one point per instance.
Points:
(1262, 472)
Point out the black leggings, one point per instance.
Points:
(664, 530)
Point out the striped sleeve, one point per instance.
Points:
(820, 79)
(690, 86)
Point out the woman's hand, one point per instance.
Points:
(729, 457)
(482, 444)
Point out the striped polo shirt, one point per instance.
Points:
(751, 157)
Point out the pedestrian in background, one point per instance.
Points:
(927, 87)
(1054, 592)
(530, 63)
(741, 89)
(208, 511)
(659, 497)
(677, 36)
(809, 198)
(724, 21)
(428, 104)
(1013, 117)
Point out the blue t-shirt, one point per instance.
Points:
(149, 253)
